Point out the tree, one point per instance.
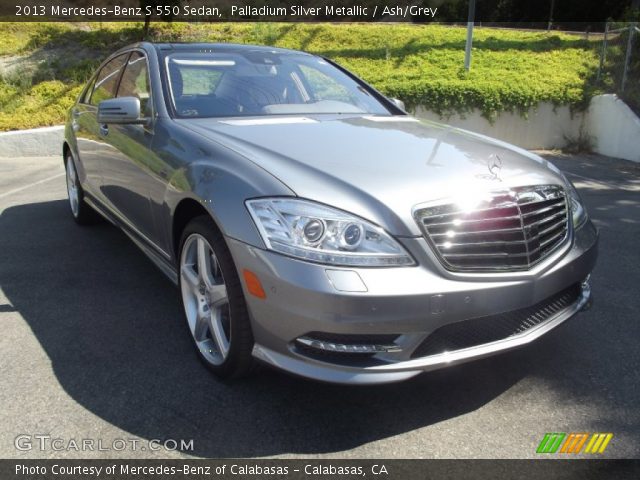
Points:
(153, 4)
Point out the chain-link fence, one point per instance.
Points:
(619, 70)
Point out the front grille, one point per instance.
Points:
(508, 230)
(481, 330)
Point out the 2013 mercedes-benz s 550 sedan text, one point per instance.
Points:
(311, 224)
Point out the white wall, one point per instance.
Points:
(544, 127)
(614, 127)
(29, 143)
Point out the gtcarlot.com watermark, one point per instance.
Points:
(45, 443)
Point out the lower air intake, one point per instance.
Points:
(492, 328)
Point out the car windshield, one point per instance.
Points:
(259, 83)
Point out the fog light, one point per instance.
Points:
(347, 348)
(586, 291)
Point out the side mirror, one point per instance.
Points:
(122, 110)
(398, 103)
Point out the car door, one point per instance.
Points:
(133, 176)
(93, 150)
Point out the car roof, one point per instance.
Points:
(165, 48)
(220, 47)
(236, 47)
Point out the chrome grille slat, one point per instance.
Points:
(499, 254)
(478, 220)
(508, 230)
(553, 227)
(547, 218)
(543, 210)
(548, 242)
(484, 255)
(527, 204)
(482, 210)
(483, 244)
(483, 232)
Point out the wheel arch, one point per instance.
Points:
(186, 210)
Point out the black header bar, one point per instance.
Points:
(421, 11)
(248, 469)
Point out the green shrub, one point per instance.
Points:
(422, 65)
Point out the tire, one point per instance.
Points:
(82, 213)
(219, 325)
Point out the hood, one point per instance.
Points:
(377, 167)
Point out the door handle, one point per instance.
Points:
(75, 113)
(104, 129)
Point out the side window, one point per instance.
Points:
(86, 95)
(135, 81)
(107, 80)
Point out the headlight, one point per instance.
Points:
(578, 212)
(314, 232)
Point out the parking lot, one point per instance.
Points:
(94, 346)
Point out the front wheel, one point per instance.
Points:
(213, 301)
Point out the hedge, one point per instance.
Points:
(420, 64)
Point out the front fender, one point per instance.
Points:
(213, 175)
(222, 190)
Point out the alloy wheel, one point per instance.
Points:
(205, 299)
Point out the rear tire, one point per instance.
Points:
(213, 301)
(82, 213)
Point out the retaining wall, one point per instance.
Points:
(613, 127)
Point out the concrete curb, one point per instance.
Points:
(35, 142)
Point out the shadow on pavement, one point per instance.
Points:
(113, 329)
(594, 367)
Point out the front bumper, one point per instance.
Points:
(408, 304)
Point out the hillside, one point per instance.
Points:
(44, 65)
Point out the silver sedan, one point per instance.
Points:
(311, 224)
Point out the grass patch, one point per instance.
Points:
(422, 65)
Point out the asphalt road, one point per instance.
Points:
(93, 346)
